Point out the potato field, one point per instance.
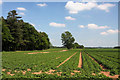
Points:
(60, 63)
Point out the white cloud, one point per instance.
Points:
(81, 26)
(94, 26)
(103, 33)
(42, 5)
(105, 7)
(56, 24)
(75, 7)
(21, 13)
(110, 31)
(69, 18)
(0, 1)
(21, 8)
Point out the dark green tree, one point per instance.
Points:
(76, 45)
(67, 39)
(7, 38)
(19, 35)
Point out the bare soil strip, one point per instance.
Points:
(66, 60)
(37, 52)
(61, 51)
(80, 60)
(45, 52)
(103, 72)
(37, 72)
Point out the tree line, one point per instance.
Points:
(19, 35)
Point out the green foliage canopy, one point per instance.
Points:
(19, 35)
(67, 39)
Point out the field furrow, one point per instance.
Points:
(80, 60)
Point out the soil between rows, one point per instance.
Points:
(80, 60)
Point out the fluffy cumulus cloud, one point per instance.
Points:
(69, 18)
(75, 7)
(110, 31)
(56, 24)
(42, 5)
(94, 26)
(21, 13)
(21, 9)
(105, 7)
(81, 26)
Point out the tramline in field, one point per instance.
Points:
(60, 63)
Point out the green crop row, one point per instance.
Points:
(114, 53)
(18, 61)
(89, 65)
(107, 63)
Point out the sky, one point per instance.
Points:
(91, 24)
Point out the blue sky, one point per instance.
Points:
(91, 24)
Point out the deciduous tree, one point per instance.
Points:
(67, 39)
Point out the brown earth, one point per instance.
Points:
(3, 69)
(72, 73)
(37, 72)
(63, 50)
(36, 52)
(58, 57)
(80, 61)
(93, 74)
(28, 69)
(10, 74)
(50, 71)
(24, 72)
(108, 75)
(76, 71)
(66, 60)
(59, 73)
(45, 52)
